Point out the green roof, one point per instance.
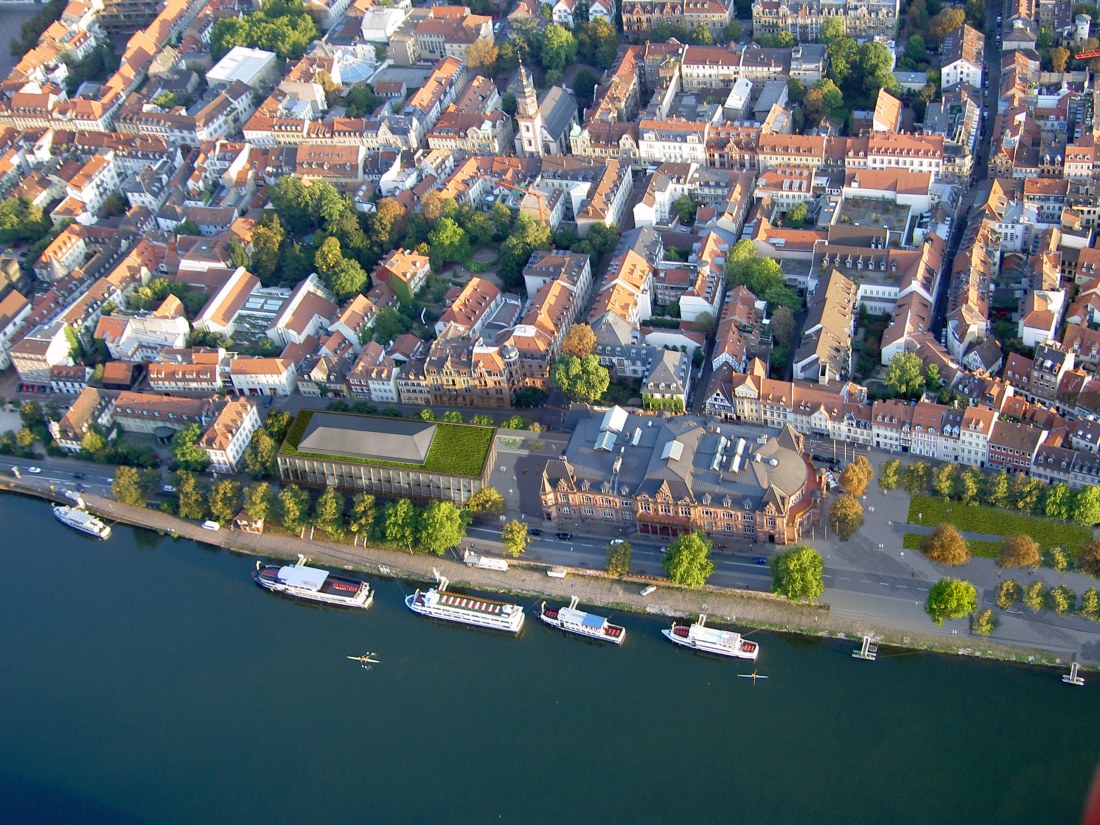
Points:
(456, 449)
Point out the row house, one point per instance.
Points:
(641, 16)
(1058, 464)
(471, 133)
(805, 19)
(373, 376)
(229, 435)
(92, 409)
(1014, 446)
(146, 413)
(743, 332)
(142, 337)
(470, 306)
(40, 350)
(263, 376)
(14, 311)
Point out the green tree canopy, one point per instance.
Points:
(21, 220)
(598, 43)
(261, 454)
(951, 599)
(581, 379)
(363, 512)
(442, 526)
(559, 48)
(192, 496)
(448, 242)
(762, 276)
(280, 26)
(618, 558)
(687, 560)
(225, 500)
(798, 573)
(845, 516)
(1086, 506)
(186, 451)
(258, 501)
(328, 513)
(905, 375)
(293, 508)
(487, 501)
(889, 475)
(401, 523)
(127, 487)
(514, 537)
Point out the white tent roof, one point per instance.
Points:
(308, 577)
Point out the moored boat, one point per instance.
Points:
(472, 610)
(81, 520)
(576, 621)
(313, 584)
(712, 640)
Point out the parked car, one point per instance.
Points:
(80, 476)
(649, 588)
(760, 560)
(613, 542)
(35, 470)
(833, 468)
(564, 536)
(168, 488)
(534, 532)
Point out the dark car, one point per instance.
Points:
(760, 560)
(818, 457)
(564, 536)
(834, 468)
(81, 476)
(534, 531)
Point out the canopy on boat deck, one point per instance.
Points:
(308, 577)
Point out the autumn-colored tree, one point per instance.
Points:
(853, 480)
(946, 21)
(579, 341)
(1008, 593)
(845, 516)
(1089, 559)
(945, 545)
(1059, 57)
(1018, 551)
(482, 55)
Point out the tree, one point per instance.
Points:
(945, 545)
(514, 537)
(684, 207)
(951, 18)
(581, 379)
(889, 475)
(845, 516)
(1089, 560)
(448, 242)
(687, 560)
(968, 484)
(293, 508)
(1034, 596)
(442, 526)
(983, 622)
(943, 480)
(1018, 551)
(347, 280)
(1062, 600)
(997, 489)
(1008, 593)
(225, 500)
(951, 599)
(763, 276)
(700, 36)
(559, 48)
(1090, 604)
(482, 54)
(798, 573)
(487, 501)
(832, 29)
(389, 324)
(192, 496)
(186, 451)
(1026, 492)
(401, 523)
(261, 454)
(328, 514)
(915, 478)
(385, 224)
(853, 480)
(93, 443)
(21, 220)
(1086, 506)
(597, 44)
(328, 256)
(579, 341)
(584, 88)
(975, 13)
(618, 558)
(258, 501)
(796, 216)
(267, 240)
(363, 512)
(782, 326)
(127, 488)
(1059, 57)
(526, 236)
(31, 414)
(1058, 501)
(904, 375)
(1057, 558)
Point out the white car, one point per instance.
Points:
(35, 470)
(649, 588)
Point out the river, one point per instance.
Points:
(148, 680)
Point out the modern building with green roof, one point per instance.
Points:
(390, 457)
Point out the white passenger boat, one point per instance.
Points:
(473, 610)
(81, 520)
(576, 621)
(711, 640)
(313, 584)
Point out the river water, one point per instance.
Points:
(147, 680)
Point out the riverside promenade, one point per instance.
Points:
(529, 580)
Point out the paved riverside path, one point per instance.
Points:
(592, 588)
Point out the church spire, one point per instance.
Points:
(528, 103)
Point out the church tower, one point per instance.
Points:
(528, 117)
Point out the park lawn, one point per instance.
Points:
(974, 518)
(983, 549)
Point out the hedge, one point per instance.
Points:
(973, 518)
(456, 449)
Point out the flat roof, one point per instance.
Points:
(378, 439)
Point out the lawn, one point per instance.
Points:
(983, 549)
(456, 449)
(973, 518)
